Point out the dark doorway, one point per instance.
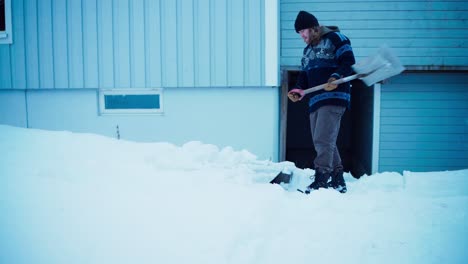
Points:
(355, 137)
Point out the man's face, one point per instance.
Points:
(310, 36)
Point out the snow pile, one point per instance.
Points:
(82, 198)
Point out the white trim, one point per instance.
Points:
(153, 91)
(6, 37)
(271, 43)
(376, 129)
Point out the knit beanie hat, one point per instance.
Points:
(305, 20)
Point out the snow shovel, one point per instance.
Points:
(282, 177)
(370, 70)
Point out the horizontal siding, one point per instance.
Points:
(419, 168)
(424, 122)
(134, 43)
(420, 32)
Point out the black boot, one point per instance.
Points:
(337, 181)
(320, 181)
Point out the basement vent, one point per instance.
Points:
(130, 101)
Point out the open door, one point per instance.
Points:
(355, 137)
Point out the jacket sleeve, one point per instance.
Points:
(344, 55)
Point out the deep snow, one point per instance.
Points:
(82, 198)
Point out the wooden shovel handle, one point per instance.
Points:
(339, 81)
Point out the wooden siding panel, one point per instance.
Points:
(185, 43)
(75, 40)
(45, 44)
(421, 146)
(421, 162)
(236, 43)
(390, 112)
(253, 56)
(121, 25)
(106, 44)
(60, 43)
(429, 154)
(137, 44)
(425, 168)
(153, 59)
(359, 6)
(420, 120)
(421, 32)
(441, 121)
(202, 44)
(90, 44)
(219, 43)
(5, 67)
(426, 137)
(31, 39)
(420, 129)
(18, 56)
(424, 104)
(169, 43)
(129, 43)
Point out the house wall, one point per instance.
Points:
(13, 110)
(424, 122)
(216, 62)
(125, 43)
(244, 118)
(422, 33)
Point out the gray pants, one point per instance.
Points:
(325, 126)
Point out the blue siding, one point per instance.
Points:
(135, 43)
(153, 58)
(252, 29)
(106, 44)
(31, 47)
(236, 43)
(18, 65)
(422, 33)
(202, 44)
(169, 43)
(185, 39)
(424, 122)
(59, 44)
(90, 44)
(121, 43)
(218, 43)
(5, 76)
(75, 43)
(46, 51)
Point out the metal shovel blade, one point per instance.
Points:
(379, 67)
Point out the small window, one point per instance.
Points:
(130, 101)
(5, 22)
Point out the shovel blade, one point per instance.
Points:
(282, 177)
(379, 67)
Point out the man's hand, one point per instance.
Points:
(330, 86)
(295, 95)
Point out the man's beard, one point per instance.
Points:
(314, 38)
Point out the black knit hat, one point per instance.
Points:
(305, 20)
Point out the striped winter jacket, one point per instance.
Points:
(331, 57)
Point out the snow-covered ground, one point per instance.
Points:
(81, 198)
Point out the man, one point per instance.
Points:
(327, 57)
